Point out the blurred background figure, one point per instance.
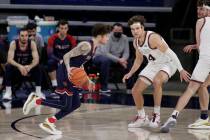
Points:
(114, 55)
(58, 44)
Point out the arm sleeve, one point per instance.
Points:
(175, 59)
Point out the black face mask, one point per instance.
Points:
(117, 34)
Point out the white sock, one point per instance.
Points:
(157, 109)
(1, 80)
(175, 114)
(8, 89)
(38, 89)
(141, 113)
(54, 83)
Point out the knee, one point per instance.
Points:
(136, 91)
(157, 83)
(52, 65)
(105, 60)
(204, 86)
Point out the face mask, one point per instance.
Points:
(117, 34)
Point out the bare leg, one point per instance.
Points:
(137, 91)
(204, 95)
(52, 76)
(190, 91)
(158, 81)
(183, 100)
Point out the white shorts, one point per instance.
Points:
(151, 70)
(201, 70)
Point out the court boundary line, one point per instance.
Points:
(13, 124)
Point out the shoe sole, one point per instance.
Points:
(166, 129)
(143, 125)
(200, 127)
(26, 103)
(47, 130)
(153, 126)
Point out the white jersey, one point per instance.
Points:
(153, 55)
(204, 39)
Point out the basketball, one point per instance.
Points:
(79, 77)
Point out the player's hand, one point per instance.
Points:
(32, 38)
(123, 62)
(23, 70)
(28, 68)
(184, 75)
(61, 61)
(91, 86)
(127, 76)
(189, 48)
(124, 65)
(69, 71)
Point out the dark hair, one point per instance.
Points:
(117, 24)
(23, 29)
(200, 3)
(62, 22)
(206, 2)
(137, 18)
(100, 29)
(31, 26)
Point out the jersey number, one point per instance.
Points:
(151, 58)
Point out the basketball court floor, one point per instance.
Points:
(94, 122)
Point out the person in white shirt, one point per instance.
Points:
(200, 73)
(162, 64)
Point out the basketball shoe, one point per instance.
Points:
(170, 123)
(30, 103)
(139, 122)
(155, 121)
(200, 124)
(49, 127)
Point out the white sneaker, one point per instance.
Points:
(50, 128)
(139, 122)
(200, 124)
(155, 121)
(38, 110)
(7, 96)
(30, 103)
(41, 95)
(7, 106)
(170, 123)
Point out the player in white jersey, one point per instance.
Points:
(200, 72)
(162, 64)
(203, 120)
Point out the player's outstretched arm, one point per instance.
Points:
(137, 63)
(158, 42)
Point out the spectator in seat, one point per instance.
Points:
(36, 37)
(116, 52)
(3, 60)
(22, 61)
(58, 45)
